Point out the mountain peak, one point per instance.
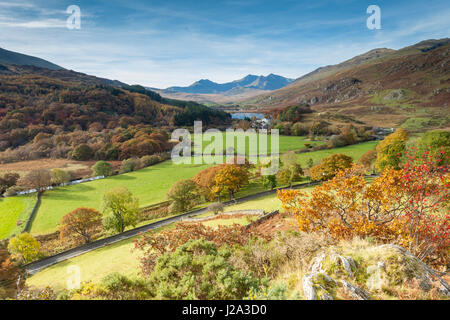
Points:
(249, 82)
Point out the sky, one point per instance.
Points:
(162, 43)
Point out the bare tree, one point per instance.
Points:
(37, 179)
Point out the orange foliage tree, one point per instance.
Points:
(329, 166)
(230, 179)
(205, 180)
(82, 224)
(405, 206)
(9, 275)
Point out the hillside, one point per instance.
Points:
(409, 87)
(208, 91)
(48, 113)
(15, 58)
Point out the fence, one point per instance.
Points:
(262, 219)
(27, 227)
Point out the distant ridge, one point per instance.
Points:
(15, 58)
(205, 86)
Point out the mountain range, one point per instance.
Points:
(205, 86)
(208, 91)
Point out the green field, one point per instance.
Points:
(150, 185)
(12, 210)
(355, 151)
(286, 143)
(94, 266)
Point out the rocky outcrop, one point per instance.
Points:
(364, 274)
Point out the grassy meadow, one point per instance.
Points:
(94, 266)
(151, 184)
(286, 143)
(355, 151)
(12, 211)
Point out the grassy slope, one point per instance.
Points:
(286, 143)
(13, 209)
(94, 265)
(150, 185)
(355, 151)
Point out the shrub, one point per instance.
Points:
(199, 270)
(12, 191)
(102, 168)
(434, 142)
(129, 165)
(216, 207)
(330, 166)
(7, 181)
(389, 149)
(24, 247)
(154, 244)
(82, 153)
(184, 195)
(150, 160)
(59, 176)
(36, 179)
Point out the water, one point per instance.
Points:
(243, 115)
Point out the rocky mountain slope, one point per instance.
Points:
(409, 87)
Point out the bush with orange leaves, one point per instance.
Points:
(155, 244)
(405, 206)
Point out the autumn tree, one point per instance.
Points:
(24, 247)
(367, 160)
(59, 176)
(405, 205)
(37, 179)
(120, 209)
(205, 180)
(8, 180)
(291, 171)
(102, 168)
(184, 195)
(231, 178)
(426, 188)
(270, 181)
(82, 153)
(9, 274)
(434, 142)
(82, 223)
(330, 166)
(389, 149)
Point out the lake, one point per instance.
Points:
(243, 115)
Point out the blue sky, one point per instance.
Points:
(164, 43)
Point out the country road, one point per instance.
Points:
(37, 266)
